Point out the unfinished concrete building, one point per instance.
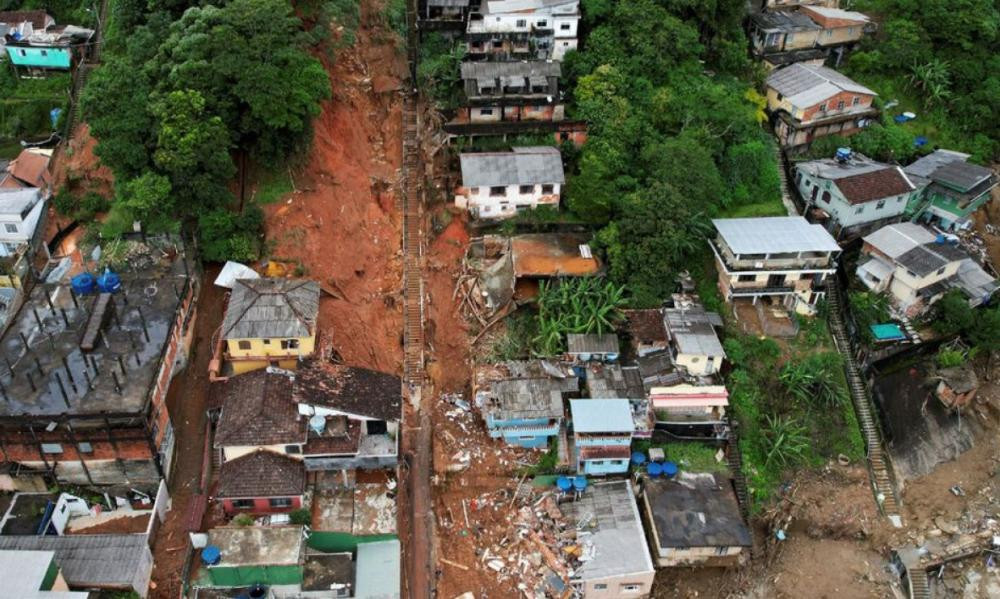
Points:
(85, 368)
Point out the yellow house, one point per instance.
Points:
(270, 321)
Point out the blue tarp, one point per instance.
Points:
(887, 332)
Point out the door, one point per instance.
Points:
(776, 281)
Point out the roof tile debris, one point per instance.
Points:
(262, 473)
(271, 308)
(351, 390)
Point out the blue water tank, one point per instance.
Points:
(580, 483)
(638, 458)
(83, 283)
(669, 469)
(564, 483)
(211, 555)
(109, 282)
(843, 154)
(654, 469)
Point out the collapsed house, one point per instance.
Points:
(951, 189)
(522, 401)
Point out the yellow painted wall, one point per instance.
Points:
(774, 104)
(244, 366)
(259, 349)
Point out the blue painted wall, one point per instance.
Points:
(45, 58)
(602, 467)
(507, 430)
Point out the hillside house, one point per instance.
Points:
(511, 91)
(522, 400)
(917, 267)
(29, 170)
(691, 337)
(261, 482)
(854, 194)
(523, 29)
(500, 184)
(621, 565)
(18, 24)
(782, 259)
(694, 519)
(760, 5)
(269, 321)
(444, 14)
(809, 34)
(951, 189)
(85, 399)
(808, 101)
(646, 331)
(592, 347)
(690, 404)
(54, 48)
(602, 435)
(21, 214)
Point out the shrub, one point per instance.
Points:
(228, 236)
(243, 520)
(301, 516)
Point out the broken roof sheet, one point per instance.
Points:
(271, 308)
(974, 281)
(614, 381)
(261, 473)
(31, 167)
(37, 18)
(601, 415)
(527, 398)
(805, 85)
(695, 510)
(780, 20)
(614, 530)
(693, 330)
(354, 391)
(232, 271)
(523, 166)
(774, 235)
(577, 343)
(645, 326)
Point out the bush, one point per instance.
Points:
(228, 236)
(950, 358)
(301, 516)
(243, 520)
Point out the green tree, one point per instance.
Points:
(954, 316)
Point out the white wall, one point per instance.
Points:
(483, 204)
(842, 211)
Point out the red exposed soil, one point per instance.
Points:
(123, 525)
(446, 331)
(342, 222)
(79, 167)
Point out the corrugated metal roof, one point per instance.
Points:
(961, 175)
(91, 560)
(781, 20)
(923, 167)
(592, 344)
(838, 13)
(896, 240)
(805, 85)
(774, 235)
(378, 574)
(693, 331)
(601, 415)
(524, 166)
(520, 68)
(271, 308)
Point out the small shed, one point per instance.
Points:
(378, 570)
(590, 347)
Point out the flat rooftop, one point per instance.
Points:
(257, 545)
(695, 510)
(53, 375)
(553, 255)
(612, 530)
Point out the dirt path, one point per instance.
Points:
(186, 402)
(342, 222)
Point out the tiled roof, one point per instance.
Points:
(645, 326)
(37, 18)
(929, 257)
(358, 391)
(271, 308)
(262, 473)
(522, 166)
(257, 409)
(875, 185)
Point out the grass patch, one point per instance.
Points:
(517, 341)
(272, 185)
(694, 457)
(547, 463)
(766, 208)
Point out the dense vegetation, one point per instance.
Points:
(940, 59)
(674, 133)
(180, 95)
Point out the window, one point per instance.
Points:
(244, 345)
(746, 278)
(597, 462)
(485, 111)
(859, 210)
(23, 53)
(526, 437)
(911, 273)
(855, 101)
(10, 228)
(631, 588)
(940, 271)
(565, 43)
(289, 344)
(498, 43)
(522, 23)
(267, 342)
(293, 449)
(45, 52)
(721, 550)
(850, 31)
(564, 27)
(243, 504)
(498, 190)
(825, 198)
(829, 33)
(376, 427)
(84, 447)
(780, 97)
(822, 107)
(543, 23)
(880, 205)
(548, 188)
(840, 105)
(474, 190)
(526, 189)
(280, 502)
(51, 448)
(600, 586)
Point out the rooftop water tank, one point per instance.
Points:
(638, 458)
(317, 423)
(109, 282)
(580, 483)
(669, 469)
(211, 555)
(654, 469)
(83, 283)
(843, 154)
(564, 483)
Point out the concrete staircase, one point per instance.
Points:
(786, 197)
(878, 460)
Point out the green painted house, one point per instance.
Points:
(52, 49)
(950, 188)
